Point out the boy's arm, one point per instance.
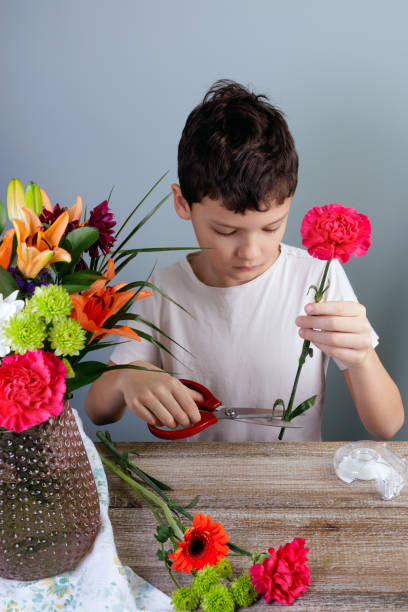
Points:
(376, 396)
(154, 396)
(342, 331)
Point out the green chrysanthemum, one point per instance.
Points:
(218, 598)
(204, 580)
(67, 337)
(52, 302)
(184, 600)
(243, 591)
(223, 568)
(26, 332)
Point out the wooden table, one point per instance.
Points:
(265, 494)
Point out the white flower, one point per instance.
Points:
(8, 308)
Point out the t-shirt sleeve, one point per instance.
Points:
(133, 350)
(341, 290)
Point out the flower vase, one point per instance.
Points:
(49, 506)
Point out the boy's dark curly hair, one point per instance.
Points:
(237, 147)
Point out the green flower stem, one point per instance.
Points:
(157, 500)
(305, 351)
(132, 467)
(169, 569)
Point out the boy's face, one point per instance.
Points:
(241, 246)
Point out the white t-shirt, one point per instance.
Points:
(243, 340)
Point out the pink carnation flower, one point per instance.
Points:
(32, 388)
(284, 575)
(335, 232)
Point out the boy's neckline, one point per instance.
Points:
(250, 283)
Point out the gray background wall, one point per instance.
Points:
(95, 93)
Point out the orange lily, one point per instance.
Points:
(37, 248)
(6, 248)
(95, 305)
(74, 212)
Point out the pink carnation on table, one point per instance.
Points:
(32, 388)
(284, 575)
(334, 231)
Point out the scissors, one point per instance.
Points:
(212, 410)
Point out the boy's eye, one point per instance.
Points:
(275, 229)
(224, 233)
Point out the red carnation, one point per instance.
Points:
(103, 220)
(284, 575)
(334, 231)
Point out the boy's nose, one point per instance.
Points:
(248, 251)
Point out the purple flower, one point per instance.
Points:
(49, 216)
(103, 220)
(27, 285)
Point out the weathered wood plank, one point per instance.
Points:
(267, 494)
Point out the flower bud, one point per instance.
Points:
(33, 198)
(15, 199)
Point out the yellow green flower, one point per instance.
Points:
(67, 337)
(204, 580)
(218, 598)
(26, 332)
(223, 568)
(184, 600)
(243, 591)
(52, 302)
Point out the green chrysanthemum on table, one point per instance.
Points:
(223, 568)
(67, 337)
(204, 580)
(218, 598)
(26, 332)
(243, 591)
(184, 600)
(52, 302)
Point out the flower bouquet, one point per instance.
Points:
(57, 304)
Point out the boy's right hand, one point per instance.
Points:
(158, 398)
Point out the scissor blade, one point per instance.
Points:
(269, 423)
(255, 416)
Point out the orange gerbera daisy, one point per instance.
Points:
(205, 543)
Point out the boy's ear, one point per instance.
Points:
(180, 203)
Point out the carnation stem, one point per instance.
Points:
(305, 352)
(157, 500)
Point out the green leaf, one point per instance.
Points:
(88, 371)
(76, 242)
(193, 503)
(144, 284)
(135, 317)
(140, 224)
(7, 283)
(303, 407)
(140, 203)
(82, 275)
(3, 217)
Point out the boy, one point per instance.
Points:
(246, 291)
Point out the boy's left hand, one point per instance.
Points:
(339, 329)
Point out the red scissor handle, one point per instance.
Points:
(210, 403)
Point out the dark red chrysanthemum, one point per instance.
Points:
(103, 220)
(49, 216)
(284, 575)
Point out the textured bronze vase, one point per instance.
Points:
(49, 507)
